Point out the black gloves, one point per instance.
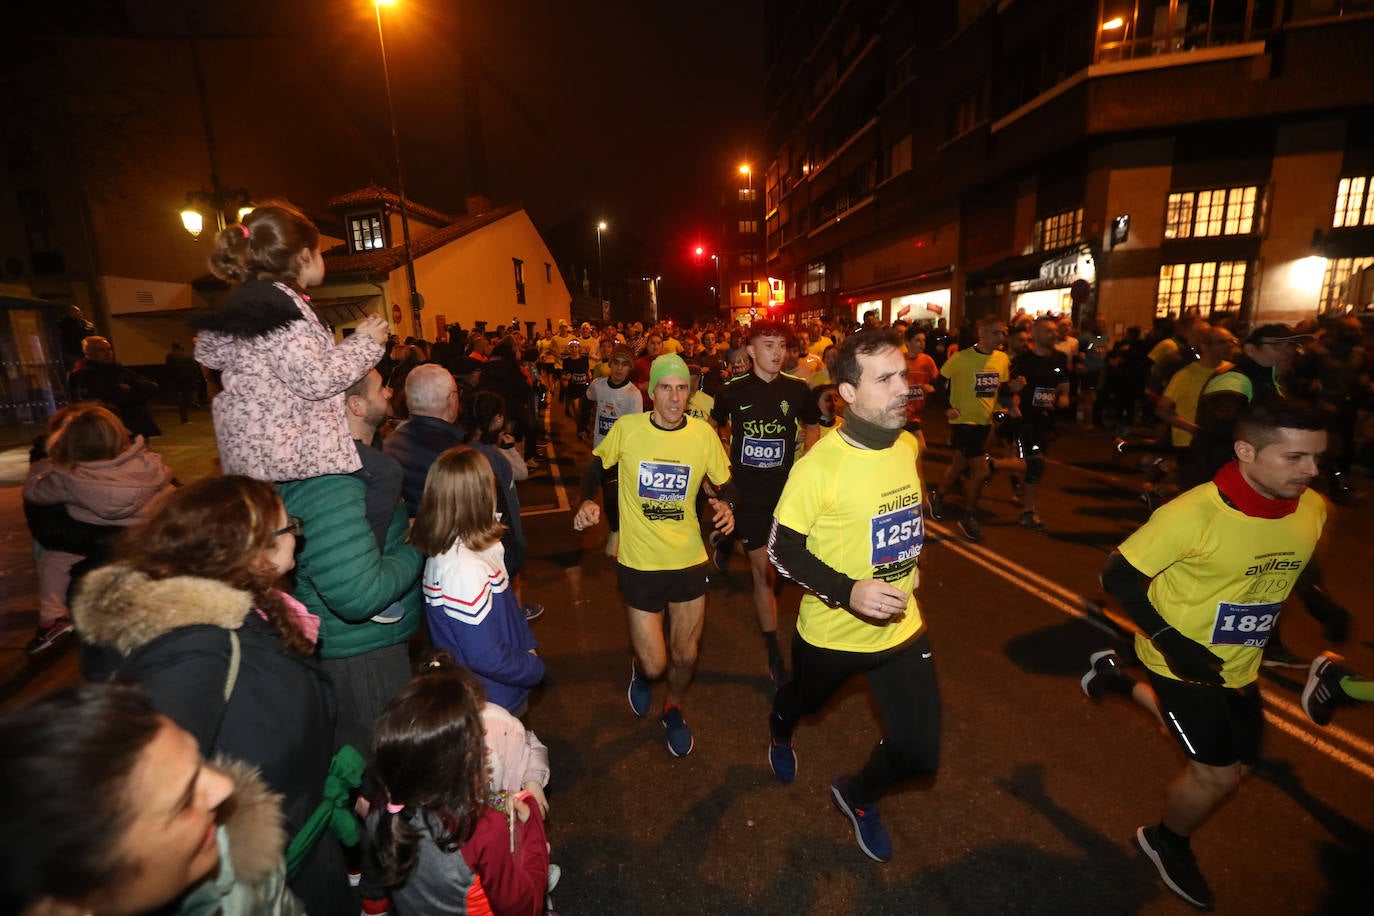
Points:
(1191, 661)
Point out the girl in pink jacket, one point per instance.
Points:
(280, 414)
(102, 478)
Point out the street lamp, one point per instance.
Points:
(417, 302)
(218, 199)
(747, 172)
(600, 273)
(715, 259)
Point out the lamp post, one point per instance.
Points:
(746, 171)
(600, 273)
(417, 302)
(715, 259)
(218, 199)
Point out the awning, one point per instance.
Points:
(1019, 267)
(932, 278)
(343, 310)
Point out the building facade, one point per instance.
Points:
(1119, 158)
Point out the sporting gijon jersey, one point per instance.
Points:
(660, 474)
(1219, 576)
(974, 379)
(764, 419)
(610, 404)
(860, 510)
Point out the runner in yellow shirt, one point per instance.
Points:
(1221, 559)
(663, 457)
(848, 528)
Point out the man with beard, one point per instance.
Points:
(849, 530)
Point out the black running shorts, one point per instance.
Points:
(970, 440)
(654, 590)
(754, 513)
(1217, 726)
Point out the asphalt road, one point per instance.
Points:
(1040, 790)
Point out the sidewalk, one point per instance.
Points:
(190, 451)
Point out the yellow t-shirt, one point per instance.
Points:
(860, 510)
(820, 345)
(974, 379)
(1184, 389)
(700, 405)
(1219, 576)
(660, 474)
(671, 345)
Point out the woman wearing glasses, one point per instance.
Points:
(191, 610)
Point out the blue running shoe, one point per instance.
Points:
(782, 760)
(868, 829)
(641, 692)
(680, 741)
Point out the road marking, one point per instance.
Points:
(563, 504)
(1056, 596)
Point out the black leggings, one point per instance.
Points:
(610, 497)
(903, 683)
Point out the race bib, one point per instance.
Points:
(762, 453)
(896, 536)
(1244, 624)
(577, 378)
(604, 424)
(1043, 398)
(666, 483)
(916, 393)
(985, 384)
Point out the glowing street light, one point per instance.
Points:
(1111, 25)
(417, 302)
(748, 172)
(600, 272)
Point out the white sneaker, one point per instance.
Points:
(613, 544)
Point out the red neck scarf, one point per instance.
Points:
(1236, 490)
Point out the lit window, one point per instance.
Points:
(1354, 202)
(1203, 288)
(815, 278)
(746, 194)
(748, 226)
(748, 287)
(1348, 286)
(1214, 212)
(1059, 230)
(366, 232)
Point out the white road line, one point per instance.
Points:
(1058, 597)
(563, 504)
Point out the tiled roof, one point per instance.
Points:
(375, 195)
(385, 260)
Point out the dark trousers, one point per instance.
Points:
(903, 683)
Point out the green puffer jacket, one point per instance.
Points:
(340, 574)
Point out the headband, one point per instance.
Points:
(393, 808)
(245, 230)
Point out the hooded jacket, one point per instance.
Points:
(280, 415)
(251, 878)
(120, 491)
(172, 637)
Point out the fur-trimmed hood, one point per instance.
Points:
(256, 308)
(124, 609)
(254, 821)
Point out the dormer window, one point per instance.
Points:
(366, 232)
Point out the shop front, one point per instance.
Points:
(1050, 291)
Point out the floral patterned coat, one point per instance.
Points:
(280, 415)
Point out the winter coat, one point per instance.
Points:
(120, 491)
(281, 413)
(251, 878)
(342, 576)
(473, 614)
(172, 637)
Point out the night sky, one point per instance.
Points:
(637, 110)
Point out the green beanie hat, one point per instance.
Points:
(667, 364)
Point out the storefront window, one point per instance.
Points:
(1204, 288)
